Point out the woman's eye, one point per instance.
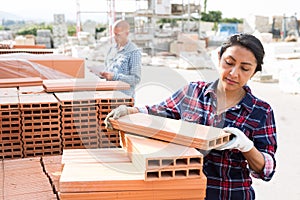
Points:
(228, 63)
(245, 69)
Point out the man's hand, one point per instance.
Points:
(107, 75)
(240, 141)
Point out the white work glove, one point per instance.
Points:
(240, 141)
(115, 114)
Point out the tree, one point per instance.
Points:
(211, 16)
(232, 20)
(32, 30)
(205, 5)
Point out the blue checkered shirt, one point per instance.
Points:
(125, 63)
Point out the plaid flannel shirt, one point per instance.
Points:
(227, 172)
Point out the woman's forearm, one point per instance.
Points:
(255, 160)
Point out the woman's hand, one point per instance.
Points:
(118, 112)
(240, 141)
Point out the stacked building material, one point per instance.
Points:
(27, 50)
(46, 66)
(156, 169)
(108, 100)
(17, 82)
(31, 89)
(99, 155)
(44, 37)
(59, 31)
(10, 128)
(160, 160)
(24, 179)
(171, 130)
(78, 119)
(52, 168)
(70, 85)
(103, 177)
(40, 117)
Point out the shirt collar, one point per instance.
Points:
(247, 101)
(123, 47)
(212, 88)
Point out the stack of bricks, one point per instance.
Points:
(52, 168)
(107, 101)
(10, 129)
(24, 179)
(40, 118)
(36, 123)
(176, 172)
(79, 119)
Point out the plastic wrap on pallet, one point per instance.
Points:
(21, 68)
(18, 66)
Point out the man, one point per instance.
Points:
(123, 61)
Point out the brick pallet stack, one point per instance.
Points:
(10, 128)
(52, 168)
(40, 117)
(78, 120)
(83, 115)
(108, 100)
(150, 169)
(24, 179)
(128, 177)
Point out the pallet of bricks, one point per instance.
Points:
(145, 167)
(20, 178)
(40, 118)
(41, 124)
(82, 118)
(10, 127)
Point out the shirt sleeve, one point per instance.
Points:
(268, 169)
(265, 141)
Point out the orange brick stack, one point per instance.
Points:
(94, 175)
(40, 116)
(79, 120)
(10, 129)
(52, 167)
(24, 179)
(108, 100)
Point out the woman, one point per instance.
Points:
(228, 103)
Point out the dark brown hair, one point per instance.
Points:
(248, 41)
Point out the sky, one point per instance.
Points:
(95, 9)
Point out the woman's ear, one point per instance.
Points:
(219, 57)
